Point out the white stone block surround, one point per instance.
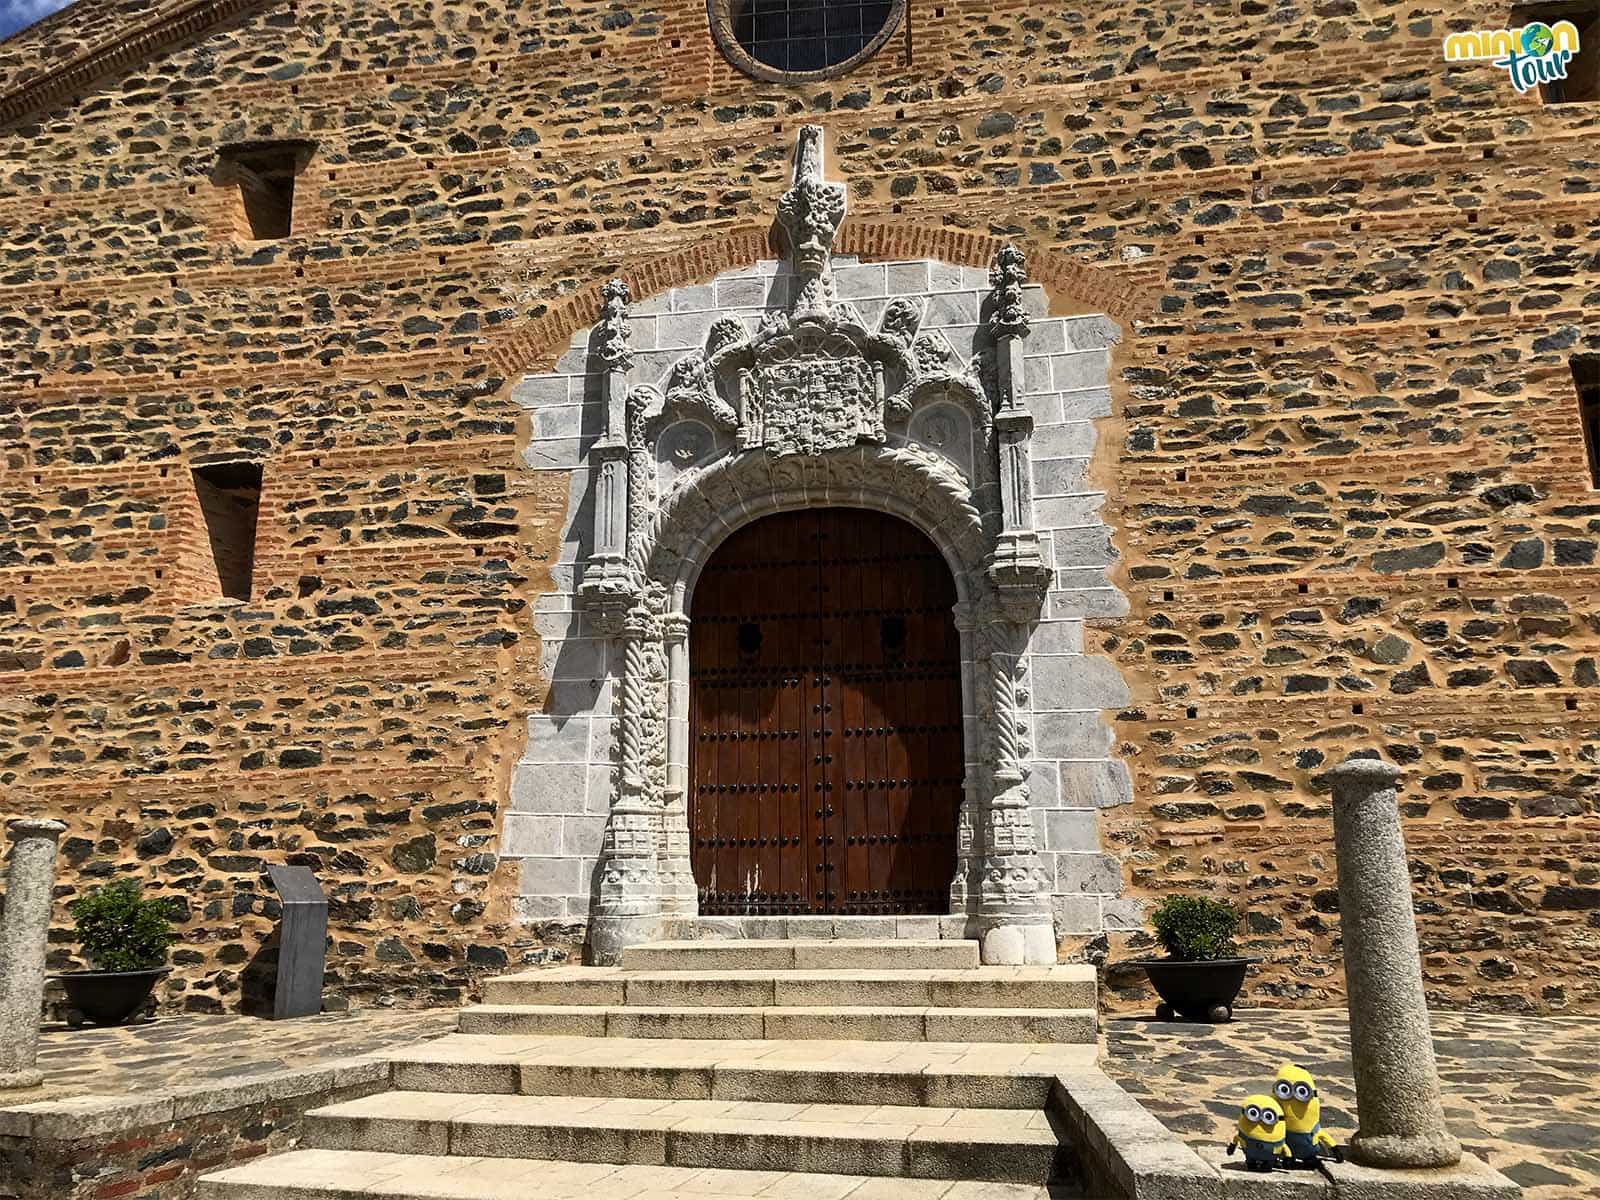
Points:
(942, 395)
(562, 787)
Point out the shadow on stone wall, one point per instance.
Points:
(258, 981)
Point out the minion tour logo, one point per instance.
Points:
(1537, 53)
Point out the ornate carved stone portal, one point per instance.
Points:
(813, 406)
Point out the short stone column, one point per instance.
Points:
(23, 932)
(1391, 1044)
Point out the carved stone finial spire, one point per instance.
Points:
(606, 587)
(811, 212)
(1008, 317)
(611, 334)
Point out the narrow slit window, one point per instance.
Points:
(1586, 378)
(264, 174)
(230, 499)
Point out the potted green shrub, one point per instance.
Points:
(1201, 976)
(125, 937)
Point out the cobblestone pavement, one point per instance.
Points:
(1518, 1091)
(192, 1048)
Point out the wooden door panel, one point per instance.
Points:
(840, 563)
(748, 730)
(825, 707)
(904, 594)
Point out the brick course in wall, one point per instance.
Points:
(1345, 476)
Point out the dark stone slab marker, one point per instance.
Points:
(302, 942)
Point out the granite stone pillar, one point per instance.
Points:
(23, 930)
(1391, 1044)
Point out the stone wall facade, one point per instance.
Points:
(1343, 470)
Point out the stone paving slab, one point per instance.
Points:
(323, 1175)
(892, 1121)
(839, 954)
(1469, 1179)
(1518, 1091)
(1066, 986)
(1241, 1183)
(1033, 974)
(975, 1057)
(996, 1075)
(170, 1052)
(915, 1142)
(1003, 1075)
(796, 1023)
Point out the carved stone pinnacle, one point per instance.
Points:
(612, 333)
(1008, 316)
(811, 212)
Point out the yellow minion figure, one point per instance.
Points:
(1260, 1134)
(1296, 1091)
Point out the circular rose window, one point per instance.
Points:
(795, 40)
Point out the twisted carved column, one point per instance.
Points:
(629, 904)
(628, 909)
(966, 885)
(1016, 920)
(678, 892)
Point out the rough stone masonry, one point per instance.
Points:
(1340, 455)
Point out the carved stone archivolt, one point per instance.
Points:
(812, 407)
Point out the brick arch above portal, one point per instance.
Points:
(540, 340)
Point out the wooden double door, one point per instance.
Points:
(825, 719)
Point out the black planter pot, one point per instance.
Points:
(1200, 991)
(108, 997)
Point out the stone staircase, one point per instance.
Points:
(811, 1069)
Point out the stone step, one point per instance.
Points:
(856, 1023)
(855, 928)
(979, 1075)
(987, 987)
(1004, 1145)
(364, 1175)
(803, 954)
